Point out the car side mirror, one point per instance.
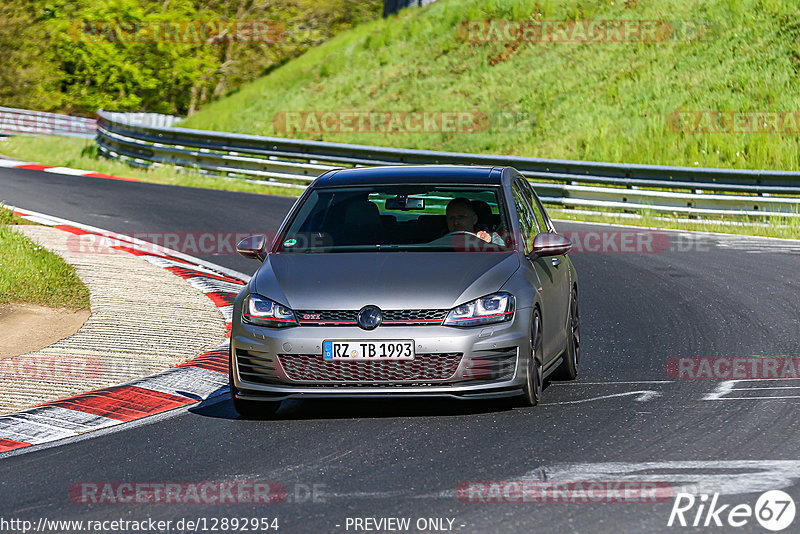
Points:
(549, 244)
(253, 247)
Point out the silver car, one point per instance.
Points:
(413, 281)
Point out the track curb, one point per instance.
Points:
(201, 378)
(17, 164)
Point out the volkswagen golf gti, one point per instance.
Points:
(412, 281)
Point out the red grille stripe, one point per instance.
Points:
(413, 321)
(482, 316)
(328, 322)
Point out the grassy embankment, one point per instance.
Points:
(30, 274)
(602, 101)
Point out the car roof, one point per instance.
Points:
(412, 174)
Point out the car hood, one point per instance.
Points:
(349, 281)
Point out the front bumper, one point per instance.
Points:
(488, 363)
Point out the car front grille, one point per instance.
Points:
(390, 317)
(424, 367)
(481, 367)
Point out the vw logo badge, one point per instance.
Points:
(369, 317)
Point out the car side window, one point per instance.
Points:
(533, 200)
(527, 221)
(540, 207)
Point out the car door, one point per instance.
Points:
(542, 269)
(560, 266)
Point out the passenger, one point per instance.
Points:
(461, 217)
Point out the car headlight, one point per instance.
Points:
(496, 308)
(261, 311)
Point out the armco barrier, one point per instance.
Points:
(295, 162)
(25, 122)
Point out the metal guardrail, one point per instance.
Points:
(295, 162)
(391, 7)
(25, 122)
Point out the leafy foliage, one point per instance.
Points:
(82, 55)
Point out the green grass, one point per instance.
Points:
(777, 226)
(32, 275)
(81, 154)
(601, 102)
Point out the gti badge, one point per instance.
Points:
(369, 317)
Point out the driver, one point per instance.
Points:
(461, 217)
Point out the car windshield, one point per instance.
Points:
(399, 218)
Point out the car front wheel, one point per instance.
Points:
(534, 383)
(568, 370)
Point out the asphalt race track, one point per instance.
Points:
(625, 419)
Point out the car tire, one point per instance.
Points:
(568, 370)
(246, 408)
(534, 374)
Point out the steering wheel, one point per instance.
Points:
(482, 245)
(457, 232)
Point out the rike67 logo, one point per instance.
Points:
(774, 510)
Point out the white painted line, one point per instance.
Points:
(757, 475)
(572, 384)
(67, 170)
(776, 387)
(644, 396)
(723, 388)
(759, 398)
(13, 163)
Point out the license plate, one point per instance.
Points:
(368, 350)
